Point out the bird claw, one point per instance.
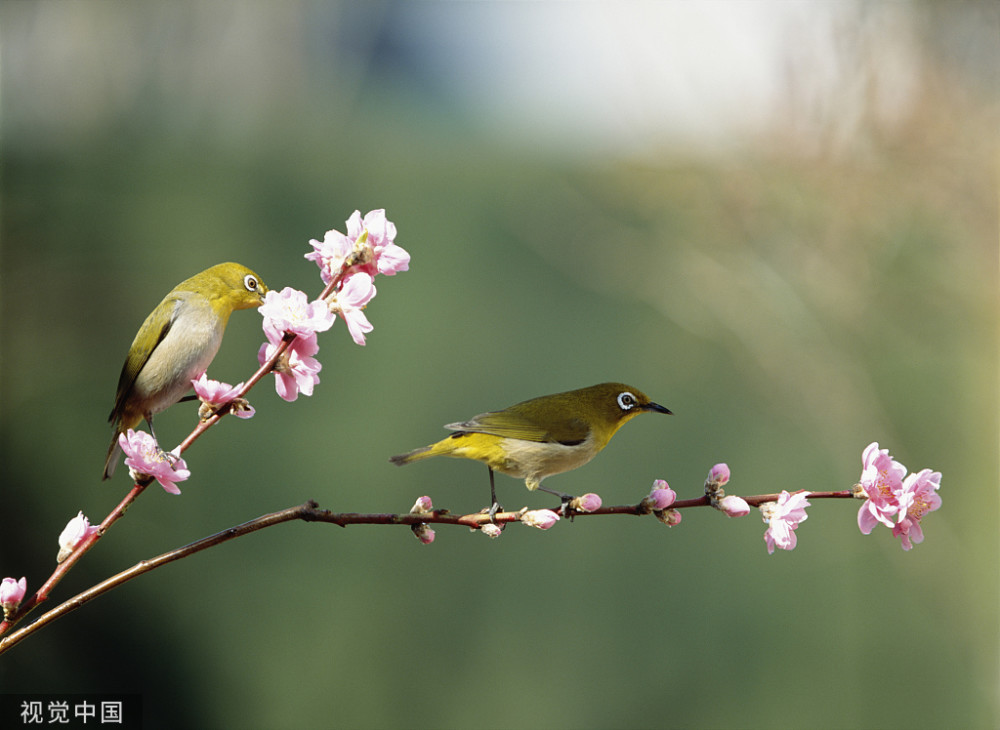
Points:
(492, 511)
(566, 508)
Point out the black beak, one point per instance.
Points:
(658, 408)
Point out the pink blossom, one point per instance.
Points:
(291, 311)
(215, 393)
(881, 480)
(543, 519)
(671, 517)
(587, 503)
(388, 257)
(146, 458)
(783, 517)
(76, 531)
(349, 303)
(297, 372)
(661, 496)
(917, 497)
(372, 236)
(734, 506)
(12, 593)
(330, 254)
(719, 474)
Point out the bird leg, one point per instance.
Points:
(494, 506)
(564, 499)
(166, 455)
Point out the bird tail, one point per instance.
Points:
(114, 451)
(416, 455)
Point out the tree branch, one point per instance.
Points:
(307, 512)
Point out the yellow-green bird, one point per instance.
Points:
(176, 344)
(541, 436)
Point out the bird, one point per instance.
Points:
(176, 343)
(543, 436)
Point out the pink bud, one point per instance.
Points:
(662, 495)
(423, 532)
(587, 503)
(12, 593)
(422, 506)
(719, 474)
(734, 506)
(543, 519)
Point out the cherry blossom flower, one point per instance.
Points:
(917, 497)
(881, 480)
(214, 394)
(371, 236)
(349, 302)
(76, 531)
(389, 258)
(12, 593)
(783, 517)
(291, 311)
(297, 371)
(145, 458)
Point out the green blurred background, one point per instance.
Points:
(778, 219)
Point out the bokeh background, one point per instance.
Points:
(777, 218)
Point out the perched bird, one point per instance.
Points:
(176, 344)
(541, 436)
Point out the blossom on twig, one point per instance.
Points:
(146, 458)
(76, 531)
(782, 518)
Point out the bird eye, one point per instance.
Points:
(250, 282)
(626, 401)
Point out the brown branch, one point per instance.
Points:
(42, 594)
(307, 512)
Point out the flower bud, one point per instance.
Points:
(11, 594)
(75, 532)
(423, 532)
(719, 474)
(668, 517)
(662, 496)
(543, 519)
(734, 506)
(491, 529)
(587, 503)
(422, 506)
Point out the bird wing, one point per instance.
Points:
(510, 423)
(136, 361)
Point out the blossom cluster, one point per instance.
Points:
(347, 262)
(893, 498)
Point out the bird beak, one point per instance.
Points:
(658, 408)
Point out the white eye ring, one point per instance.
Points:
(250, 282)
(626, 401)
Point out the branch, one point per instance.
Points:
(310, 512)
(40, 596)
